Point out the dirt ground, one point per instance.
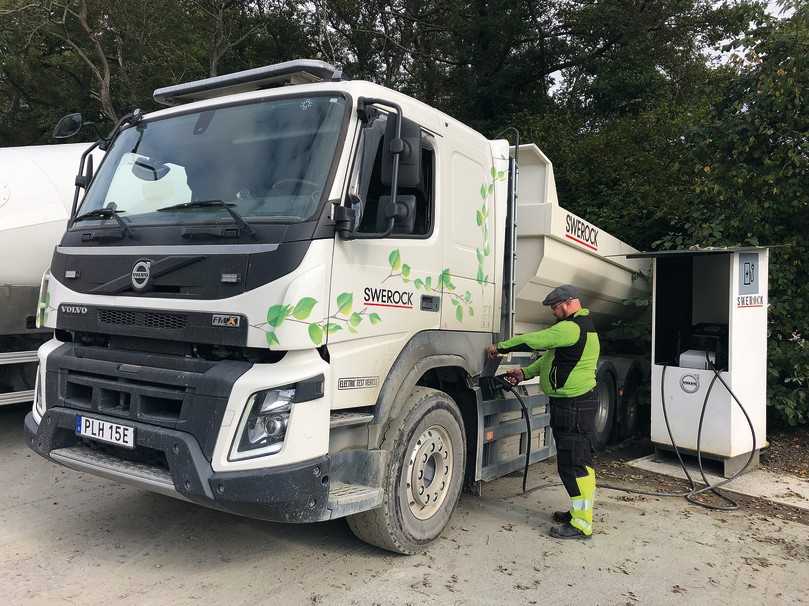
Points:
(69, 538)
(788, 452)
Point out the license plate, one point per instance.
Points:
(104, 431)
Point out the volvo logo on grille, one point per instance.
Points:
(140, 274)
(689, 383)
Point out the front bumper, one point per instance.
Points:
(171, 462)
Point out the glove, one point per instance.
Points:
(515, 376)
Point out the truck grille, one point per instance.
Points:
(143, 319)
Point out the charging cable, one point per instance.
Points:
(694, 490)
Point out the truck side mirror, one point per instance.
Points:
(409, 147)
(68, 126)
(404, 214)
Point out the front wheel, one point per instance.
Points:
(423, 479)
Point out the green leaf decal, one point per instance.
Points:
(445, 281)
(276, 314)
(494, 172)
(332, 328)
(316, 333)
(304, 308)
(459, 313)
(483, 190)
(471, 312)
(467, 296)
(429, 282)
(479, 218)
(405, 271)
(355, 319)
(419, 284)
(374, 318)
(344, 300)
(487, 251)
(351, 329)
(479, 254)
(395, 260)
(480, 276)
(491, 188)
(272, 339)
(501, 174)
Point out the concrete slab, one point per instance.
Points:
(778, 488)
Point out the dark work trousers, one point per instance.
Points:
(573, 424)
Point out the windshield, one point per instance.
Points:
(268, 160)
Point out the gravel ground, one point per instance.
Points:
(70, 538)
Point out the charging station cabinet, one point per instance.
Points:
(710, 305)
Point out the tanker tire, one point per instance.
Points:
(393, 526)
(605, 414)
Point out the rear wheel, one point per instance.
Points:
(423, 479)
(605, 413)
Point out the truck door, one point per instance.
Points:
(384, 290)
(474, 181)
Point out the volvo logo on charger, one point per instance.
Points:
(141, 272)
(689, 383)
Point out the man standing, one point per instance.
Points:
(567, 375)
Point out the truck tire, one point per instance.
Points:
(605, 413)
(423, 479)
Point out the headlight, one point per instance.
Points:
(264, 423)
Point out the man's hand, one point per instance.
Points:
(491, 351)
(515, 376)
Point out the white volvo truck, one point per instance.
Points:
(275, 297)
(36, 191)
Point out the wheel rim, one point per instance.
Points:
(429, 470)
(603, 412)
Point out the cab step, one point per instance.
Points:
(348, 499)
(347, 418)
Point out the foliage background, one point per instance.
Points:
(670, 123)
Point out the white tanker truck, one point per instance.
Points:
(275, 297)
(36, 193)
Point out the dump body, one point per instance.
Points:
(555, 247)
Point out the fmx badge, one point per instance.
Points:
(581, 232)
(225, 321)
(357, 382)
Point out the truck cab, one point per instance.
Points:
(274, 300)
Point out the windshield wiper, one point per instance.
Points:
(106, 213)
(227, 206)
